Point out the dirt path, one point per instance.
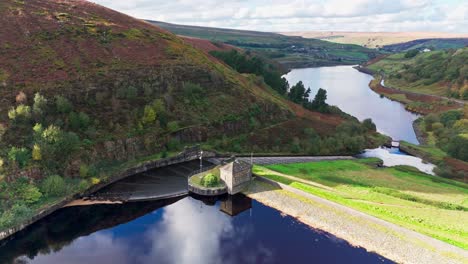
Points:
(389, 240)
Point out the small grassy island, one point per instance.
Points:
(207, 183)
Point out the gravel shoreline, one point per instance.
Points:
(389, 240)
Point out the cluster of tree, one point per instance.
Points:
(450, 130)
(248, 63)
(298, 93)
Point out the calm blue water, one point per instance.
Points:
(187, 231)
(349, 89)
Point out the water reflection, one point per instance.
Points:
(188, 231)
(349, 89)
(393, 157)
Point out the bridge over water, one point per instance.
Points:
(172, 181)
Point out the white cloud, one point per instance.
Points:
(300, 15)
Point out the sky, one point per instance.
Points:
(305, 15)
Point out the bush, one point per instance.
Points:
(149, 115)
(173, 144)
(84, 171)
(19, 155)
(458, 147)
(29, 193)
(209, 180)
(53, 186)
(173, 126)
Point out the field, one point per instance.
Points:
(373, 39)
(430, 205)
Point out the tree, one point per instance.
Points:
(411, 53)
(458, 147)
(20, 113)
(36, 153)
(40, 104)
(369, 125)
(319, 102)
(62, 104)
(299, 94)
(149, 115)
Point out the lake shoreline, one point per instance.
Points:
(359, 229)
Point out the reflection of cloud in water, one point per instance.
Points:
(98, 248)
(188, 233)
(391, 159)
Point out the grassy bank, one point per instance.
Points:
(430, 205)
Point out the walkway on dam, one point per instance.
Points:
(161, 183)
(172, 181)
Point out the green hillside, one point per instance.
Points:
(289, 51)
(443, 72)
(87, 92)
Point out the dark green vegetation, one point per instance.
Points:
(432, 44)
(292, 52)
(89, 92)
(431, 205)
(442, 72)
(446, 142)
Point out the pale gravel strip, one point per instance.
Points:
(389, 240)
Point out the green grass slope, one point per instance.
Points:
(289, 51)
(431, 205)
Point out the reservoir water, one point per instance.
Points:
(233, 230)
(349, 89)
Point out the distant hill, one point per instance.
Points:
(374, 39)
(432, 44)
(289, 51)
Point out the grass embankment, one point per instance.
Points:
(430, 205)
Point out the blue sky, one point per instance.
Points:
(305, 15)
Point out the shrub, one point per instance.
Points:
(84, 171)
(173, 126)
(209, 180)
(53, 186)
(79, 121)
(30, 194)
(19, 155)
(173, 144)
(458, 147)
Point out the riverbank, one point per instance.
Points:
(389, 240)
